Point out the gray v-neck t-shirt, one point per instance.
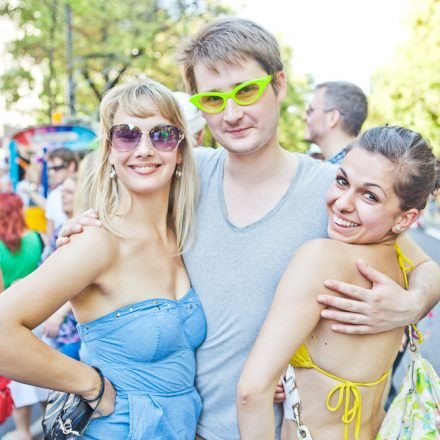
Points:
(235, 271)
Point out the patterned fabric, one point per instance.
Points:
(67, 334)
(337, 158)
(414, 413)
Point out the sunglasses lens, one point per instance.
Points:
(124, 137)
(248, 94)
(56, 168)
(165, 137)
(211, 103)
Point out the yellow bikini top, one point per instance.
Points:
(348, 389)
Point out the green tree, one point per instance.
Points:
(291, 126)
(407, 90)
(111, 38)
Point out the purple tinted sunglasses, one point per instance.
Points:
(126, 137)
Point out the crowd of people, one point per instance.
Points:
(201, 276)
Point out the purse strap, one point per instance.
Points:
(101, 391)
(414, 334)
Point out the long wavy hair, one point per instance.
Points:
(105, 194)
(12, 224)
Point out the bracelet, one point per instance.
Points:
(101, 391)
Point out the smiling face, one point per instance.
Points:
(57, 171)
(362, 205)
(241, 129)
(144, 169)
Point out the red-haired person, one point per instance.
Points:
(20, 251)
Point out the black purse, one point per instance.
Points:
(67, 415)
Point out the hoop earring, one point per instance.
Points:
(178, 173)
(112, 173)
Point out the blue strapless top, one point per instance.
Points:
(147, 351)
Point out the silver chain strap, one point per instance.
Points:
(292, 404)
(66, 427)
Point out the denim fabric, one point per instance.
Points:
(147, 351)
(71, 350)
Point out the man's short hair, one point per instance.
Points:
(230, 41)
(66, 155)
(351, 102)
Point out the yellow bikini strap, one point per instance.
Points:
(344, 391)
(407, 265)
(404, 263)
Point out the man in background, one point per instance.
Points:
(334, 117)
(61, 163)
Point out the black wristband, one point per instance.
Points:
(101, 391)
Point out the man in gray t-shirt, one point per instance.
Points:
(235, 271)
(258, 203)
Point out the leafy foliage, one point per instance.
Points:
(291, 126)
(407, 90)
(113, 38)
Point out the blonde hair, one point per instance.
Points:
(85, 176)
(135, 98)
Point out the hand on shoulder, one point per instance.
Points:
(76, 226)
(89, 254)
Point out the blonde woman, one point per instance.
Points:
(139, 319)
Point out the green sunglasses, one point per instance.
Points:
(246, 93)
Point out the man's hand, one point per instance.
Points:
(385, 306)
(75, 226)
(280, 395)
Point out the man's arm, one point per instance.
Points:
(386, 305)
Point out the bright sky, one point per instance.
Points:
(333, 39)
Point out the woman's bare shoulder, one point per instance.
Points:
(324, 249)
(96, 243)
(96, 234)
(318, 260)
(337, 260)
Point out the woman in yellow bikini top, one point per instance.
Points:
(348, 395)
(379, 191)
